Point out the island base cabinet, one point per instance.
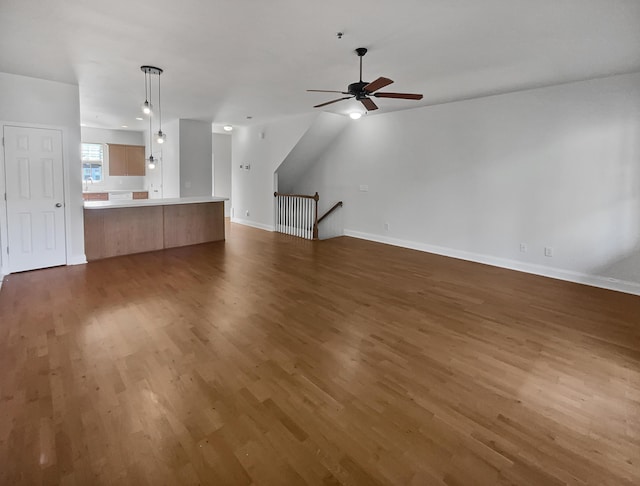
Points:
(190, 224)
(110, 232)
(122, 231)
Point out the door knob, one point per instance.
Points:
(58, 205)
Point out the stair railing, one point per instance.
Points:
(297, 215)
(335, 206)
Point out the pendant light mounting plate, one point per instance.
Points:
(151, 70)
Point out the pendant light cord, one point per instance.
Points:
(150, 130)
(159, 104)
(146, 94)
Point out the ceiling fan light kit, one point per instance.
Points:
(362, 90)
(160, 136)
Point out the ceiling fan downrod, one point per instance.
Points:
(361, 51)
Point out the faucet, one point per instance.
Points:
(86, 183)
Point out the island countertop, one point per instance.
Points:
(152, 202)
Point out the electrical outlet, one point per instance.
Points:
(246, 213)
(386, 226)
(364, 188)
(548, 251)
(523, 248)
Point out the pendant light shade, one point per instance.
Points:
(161, 137)
(151, 162)
(147, 109)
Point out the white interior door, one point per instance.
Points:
(35, 198)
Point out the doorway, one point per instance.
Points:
(35, 198)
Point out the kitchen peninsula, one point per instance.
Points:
(113, 228)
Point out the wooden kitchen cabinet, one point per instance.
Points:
(95, 196)
(117, 160)
(135, 160)
(126, 160)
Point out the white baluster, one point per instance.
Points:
(298, 224)
(305, 219)
(310, 217)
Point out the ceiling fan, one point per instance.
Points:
(362, 90)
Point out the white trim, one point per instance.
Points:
(253, 224)
(66, 184)
(77, 260)
(567, 275)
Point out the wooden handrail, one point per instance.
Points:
(335, 206)
(314, 197)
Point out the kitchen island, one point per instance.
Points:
(113, 228)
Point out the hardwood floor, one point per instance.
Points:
(268, 360)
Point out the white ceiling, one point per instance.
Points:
(225, 60)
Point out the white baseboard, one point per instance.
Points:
(567, 275)
(77, 260)
(253, 224)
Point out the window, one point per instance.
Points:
(92, 157)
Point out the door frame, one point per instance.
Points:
(4, 227)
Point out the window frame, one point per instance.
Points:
(92, 162)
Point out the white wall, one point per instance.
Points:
(195, 158)
(102, 135)
(48, 104)
(167, 172)
(557, 167)
(123, 137)
(221, 148)
(322, 132)
(253, 189)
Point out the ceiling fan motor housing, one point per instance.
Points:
(357, 89)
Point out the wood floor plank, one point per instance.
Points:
(270, 360)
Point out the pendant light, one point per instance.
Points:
(151, 162)
(146, 106)
(160, 137)
(147, 109)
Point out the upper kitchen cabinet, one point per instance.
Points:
(126, 160)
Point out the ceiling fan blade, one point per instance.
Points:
(404, 96)
(326, 91)
(377, 84)
(368, 104)
(333, 101)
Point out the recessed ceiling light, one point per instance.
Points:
(227, 128)
(138, 118)
(355, 115)
(124, 126)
